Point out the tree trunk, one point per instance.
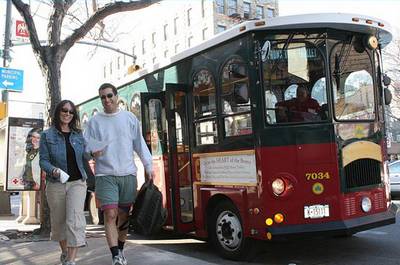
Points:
(51, 70)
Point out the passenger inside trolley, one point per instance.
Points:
(298, 109)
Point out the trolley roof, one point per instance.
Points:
(340, 21)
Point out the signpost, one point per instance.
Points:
(11, 79)
(21, 32)
(21, 29)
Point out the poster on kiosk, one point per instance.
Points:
(23, 139)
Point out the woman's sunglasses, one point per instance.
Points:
(68, 111)
(109, 95)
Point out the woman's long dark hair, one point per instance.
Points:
(28, 141)
(56, 122)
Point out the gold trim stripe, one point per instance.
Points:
(198, 183)
(243, 152)
(361, 149)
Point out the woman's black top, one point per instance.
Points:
(73, 170)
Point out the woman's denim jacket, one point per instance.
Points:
(53, 152)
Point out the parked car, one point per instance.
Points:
(394, 174)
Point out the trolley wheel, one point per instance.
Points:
(225, 230)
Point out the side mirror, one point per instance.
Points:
(386, 80)
(265, 50)
(387, 95)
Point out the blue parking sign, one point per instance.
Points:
(11, 79)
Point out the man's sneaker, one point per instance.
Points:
(63, 257)
(121, 254)
(118, 260)
(69, 263)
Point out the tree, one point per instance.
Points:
(391, 61)
(50, 56)
(391, 56)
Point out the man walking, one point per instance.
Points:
(111, 138)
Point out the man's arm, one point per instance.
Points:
(87, 135)
(140, 147)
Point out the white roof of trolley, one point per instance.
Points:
(341, 21)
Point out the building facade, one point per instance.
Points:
(178, 25)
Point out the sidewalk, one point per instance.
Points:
(44, 252)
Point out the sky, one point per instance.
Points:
(79, 69)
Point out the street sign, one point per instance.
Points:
(11, 79)
(21, 29)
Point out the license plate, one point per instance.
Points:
(316, 211)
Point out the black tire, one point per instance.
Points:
(225, 230)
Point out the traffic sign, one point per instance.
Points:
(11, 79)
(21, 30)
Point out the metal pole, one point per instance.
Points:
(5, 205)
(7, 40)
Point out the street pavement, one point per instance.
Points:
(18, 246)
(32, 251)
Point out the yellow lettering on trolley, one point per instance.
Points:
(317, 175)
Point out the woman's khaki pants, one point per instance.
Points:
(66, 202)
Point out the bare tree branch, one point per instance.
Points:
(25, 12)
(55, 23)
(102, 13)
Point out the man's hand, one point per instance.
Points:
(151, 175)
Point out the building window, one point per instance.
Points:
(190, 41)
(144, 65)
(220, 28)
(246, 10)
(104, 71)
(124, 60)
(118, 62)
(270, 12)
(154, 60)
(153, 39)
(202, 8)
(133, 50)
(189, 15)
(232, 7)
(205, 33)
(259, 12)
(165, 31)
(166, 54)
(143, 46)
(175, 25)
(220, 6)
(111, 70)
(176, 48)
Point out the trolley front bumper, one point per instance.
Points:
(343, 227)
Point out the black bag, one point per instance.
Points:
(148, 215)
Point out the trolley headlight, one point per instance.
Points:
(278, 186)
(366, 204)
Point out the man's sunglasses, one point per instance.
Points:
(68, 111)
(109, 95)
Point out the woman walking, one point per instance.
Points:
(62, 158)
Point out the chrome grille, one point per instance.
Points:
(363, 172)
(350, 206)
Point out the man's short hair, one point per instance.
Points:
(108, 85)
(302, 87)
